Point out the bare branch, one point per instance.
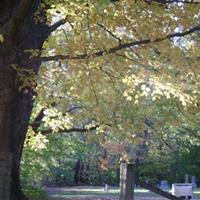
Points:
(74, 108)
(108, 31)
(147, 67)
(113, 49)
(38, 120)
(70, 130)
(57, 24)
(150, 125)
(17, 19)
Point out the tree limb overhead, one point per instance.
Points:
(113, 49)
(56, 25)
(70, 130)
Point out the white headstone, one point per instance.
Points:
(193, 181)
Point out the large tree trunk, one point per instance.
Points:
(22, 112)
(15, 105)
(15, 110)
(6, 111)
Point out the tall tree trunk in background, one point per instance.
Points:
(77, 172)
(16, 106)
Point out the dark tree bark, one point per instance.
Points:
(20, 33)
(127, 176)
(77, 171)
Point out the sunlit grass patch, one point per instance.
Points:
(99, 191)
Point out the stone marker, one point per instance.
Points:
(182, 190)
(186, 178)
(106, 188)
(126, 181)
(164, 185)
(193, 181)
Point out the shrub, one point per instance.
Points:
(34, 193)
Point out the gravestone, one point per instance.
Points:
(5, 175)
(193, 181)
(186, 178)
(164, 185)
(106, 187)
(126, 181)
(182, 190)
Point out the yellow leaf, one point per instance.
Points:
(1, 38)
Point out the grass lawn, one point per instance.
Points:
(83, 192)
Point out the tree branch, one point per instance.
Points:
(38, 120)
(113, 49)
(109, 32)
(70, 130)
(74, 108)
(156, 190)
(147, 67)
(150, 125)
(57, 24)
(17, 19)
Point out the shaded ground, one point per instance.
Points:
(98, 193)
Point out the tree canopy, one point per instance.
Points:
(116, 68)
(122, 65)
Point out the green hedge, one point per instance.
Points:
(34, 193)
